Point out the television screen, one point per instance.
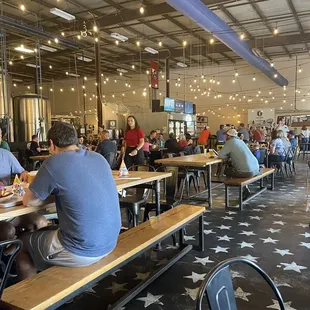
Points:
(169, 105)
(179, 106)
(189, 107)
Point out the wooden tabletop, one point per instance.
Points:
(198, 160)
(40, 157)
(142, 177)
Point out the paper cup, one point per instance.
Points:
(31, 176)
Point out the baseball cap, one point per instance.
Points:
(232, 133)
(292, 132)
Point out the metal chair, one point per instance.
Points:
(6, 266)
(218, 286)
(135, 202)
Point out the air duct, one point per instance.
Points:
(197, 11)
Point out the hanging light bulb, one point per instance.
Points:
(184, 43)
(218, 82)
(61, 90)
(116, 42)
(211, 41)
(234, 81)
(147, 72)
(138, 43)
(299, 70)
(95, 28)
(160, 43)
(272, 64)
(72, 88)
(28, 87)
(50, 66)
(254, 78)
(141, 10)
(276, 31)
(56, 40)
(236, 73)
(63, 34)
(275, 76)
(10, 63)
(96, 40)
(23, 8)
(79, 37)
(242, 36)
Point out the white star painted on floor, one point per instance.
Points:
(247, 233)
(283, 252)
(262, 206)
(192, 293)
(278, 223)
(236, 274)
(231, 212)
(188, 238)
(224, 238)
(306, 245)
(142, 276)
(208, 232)
(255, 218)
(293, 266)
(277, 215)
(227, 218)
(277, 306)
(151, 299)
(91, 291)
(223, 227)
(269, 240)
(203, 261)
(251, 258)
(244, 224)
(162, 262)
(306, 235)
(244, 244)
(171, 247)
(196, 277)
(115, 272)
(273, 230)
(272, 202)
(219, 249)
(239, 293)
(206, 223)
(302, 225)
(257, 210)
(117, 287)
(279, 283)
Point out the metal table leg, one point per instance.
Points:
(209, 186)
(157, 197)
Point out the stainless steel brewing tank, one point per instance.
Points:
(32, 115)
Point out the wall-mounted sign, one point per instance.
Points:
(112, 124)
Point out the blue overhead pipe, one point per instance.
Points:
(197, 11)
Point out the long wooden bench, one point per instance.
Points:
(56, 285)
(242, 182)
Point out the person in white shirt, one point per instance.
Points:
(305, 133)
(281, 126)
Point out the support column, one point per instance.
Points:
(167, 77)
(98, 81)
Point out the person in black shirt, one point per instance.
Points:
(171, 144)
(107, 148)
(153, 139)
(34, 145)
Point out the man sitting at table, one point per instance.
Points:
(34, 145)
(87, 204)
(107, 148)
(3, 144)
(29, 222)
(243, 162)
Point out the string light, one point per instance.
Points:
(22, 7)
(28, 87)
(272, 64)
(236, 73)
(141, 10)
(160, 43)
(138, 43)
(147, 72)
(299, 70)
(276, 31)
(133, 67)
(56, 40)
(79, 37)
(22, 57)
(95, 28)
(14, 85)
(275, 76)
(63, 34)
(184, 43)
(96, 40)
(50, 66)
(116, 42)
(51, 89)
(234, 81)
(72, 88)
(211, 41)
(242, 36)
(10, 63)
(61, 90)
(49, 42)
(254, 78)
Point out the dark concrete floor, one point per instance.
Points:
(272, 230)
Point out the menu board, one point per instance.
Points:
(189, 107)
(179, 106)
(169, 104)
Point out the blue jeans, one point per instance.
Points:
(305, 147)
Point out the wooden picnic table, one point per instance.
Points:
(39, 157)
(194, 161)
(135, 178)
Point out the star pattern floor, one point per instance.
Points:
(273, 231)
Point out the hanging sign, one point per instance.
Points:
(154, 74)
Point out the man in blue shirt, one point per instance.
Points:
(246, 136)
(221, 135)
(82, 185)
(107, 148)
(291, 136)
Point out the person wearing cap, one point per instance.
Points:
(292, 138)
(243, 163)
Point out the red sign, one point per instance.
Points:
(154, 74)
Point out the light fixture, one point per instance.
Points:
(95, 28)
(151, 50)
(211, 41)
(236, 73)
(28, 87)
(138, 43)
(96, 40)
(182, 64)
(133, 67)
(116, 42)
(56, 40)
(299, 70)
(184, 43)
(119, 37)
(272, 64)
(242, 36)
(234, 81)
(49, 42)
(147, 72)
(61, 90)
(48, 48)
(259, 91)
(23, 49)
(63, 34)
(72, 88)
(14, 85)
(32, 66)
(84, 59)
(275, 76)
(141, 10)
(62, 14)
(254, 78)
(160, 43)
(51, 89)
(276, 31)
(22, 7)
(10, 63)
(144, 94)
(78, 37)
(50, 66)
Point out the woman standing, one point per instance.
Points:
(305, 133)
(133, 143)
